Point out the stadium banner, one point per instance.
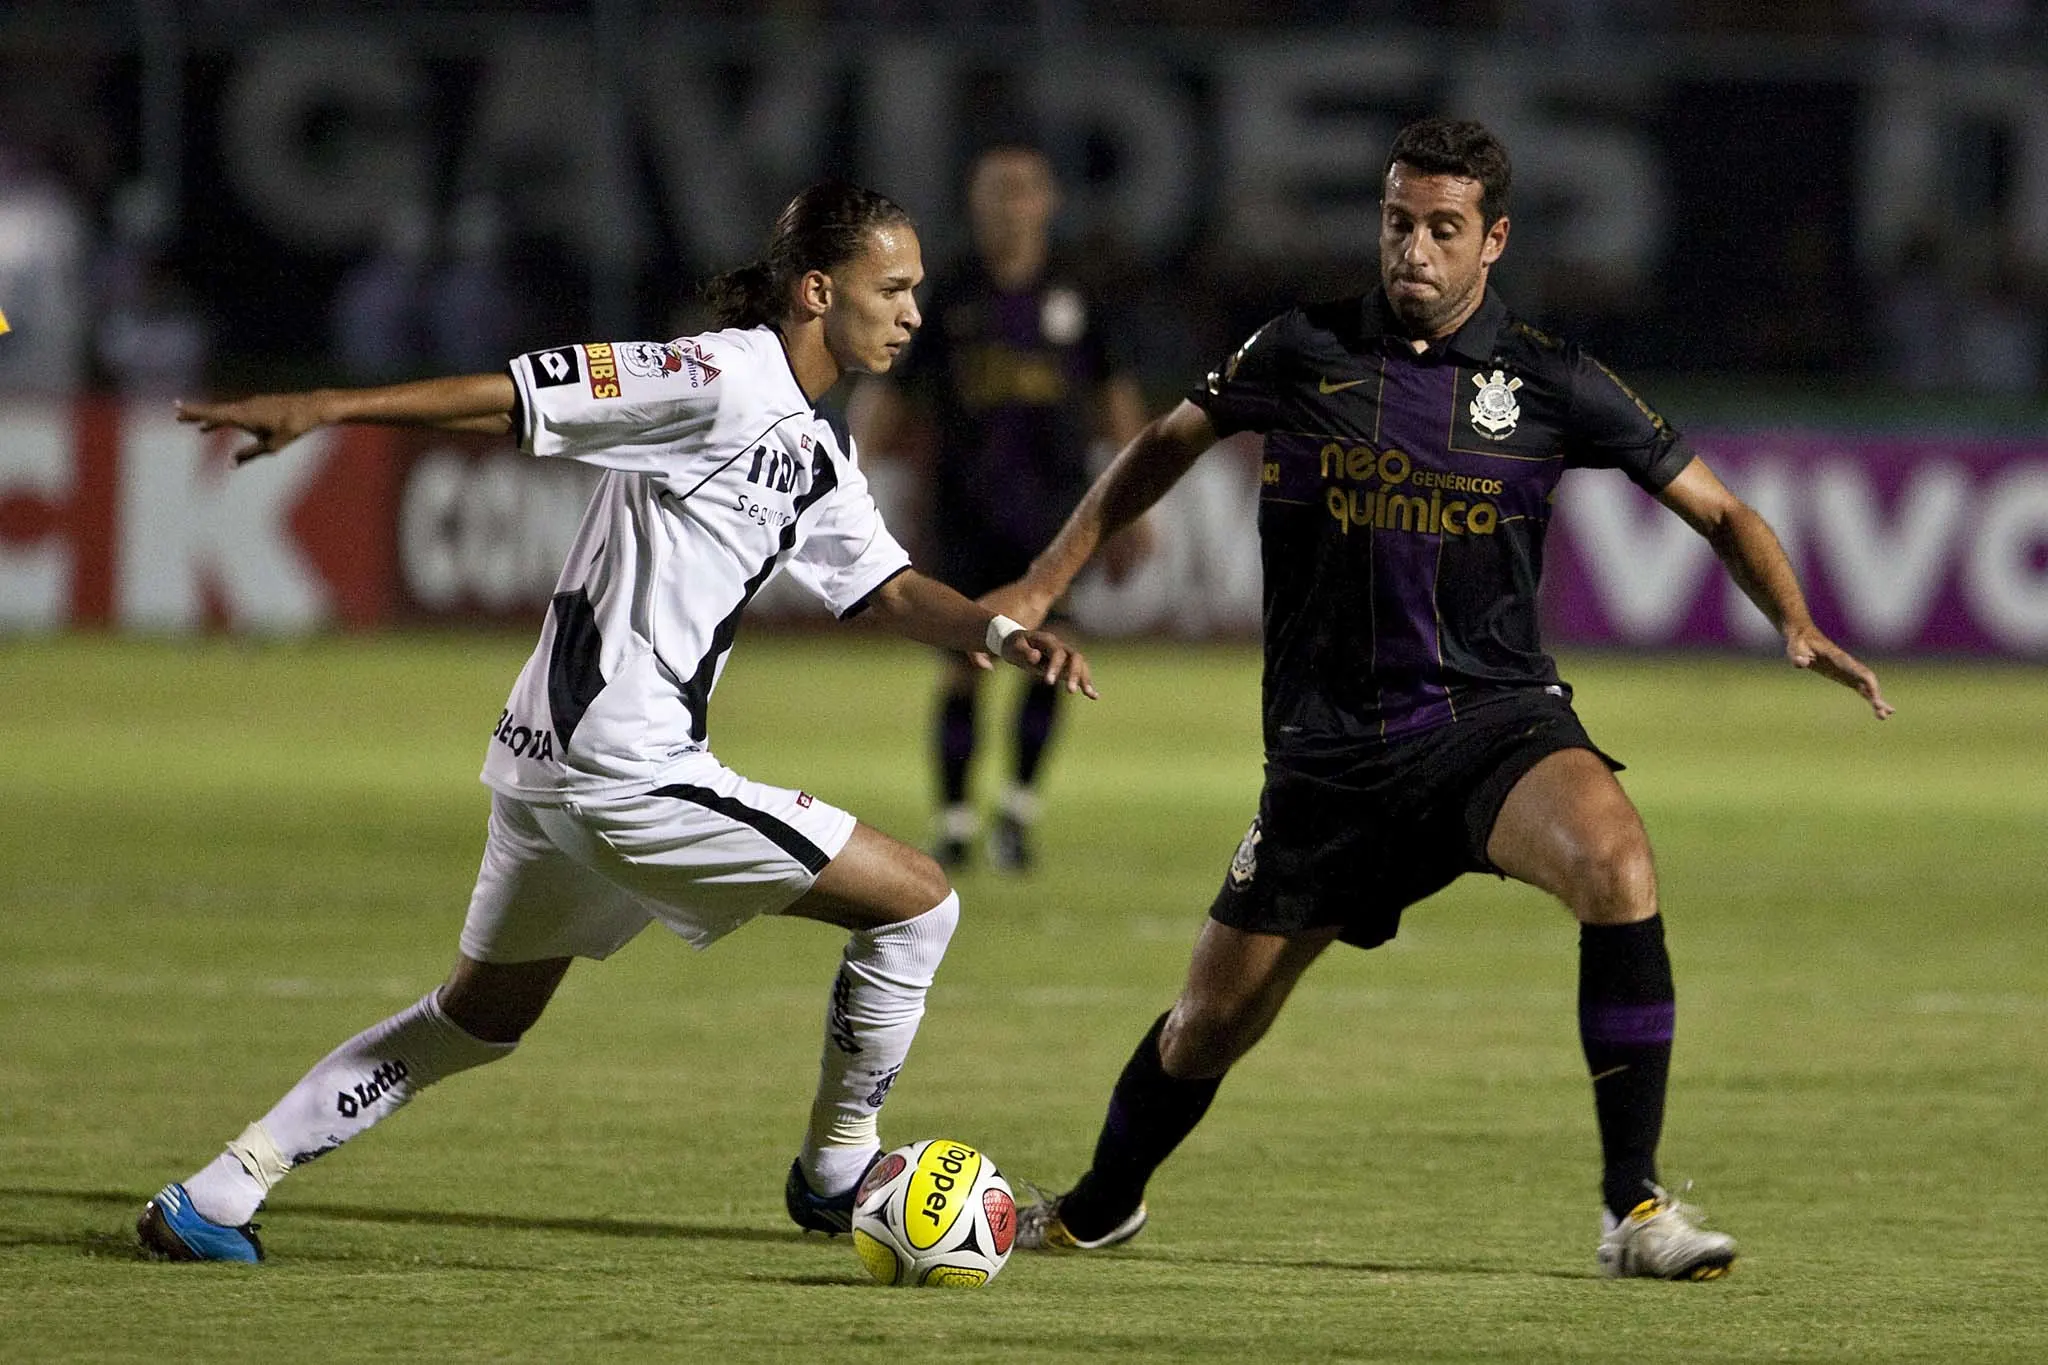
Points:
(1905, 544)
(117, 516)
(316, 141)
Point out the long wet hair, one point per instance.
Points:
(821, 229)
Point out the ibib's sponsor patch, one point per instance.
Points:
(556, 367)
(604, 369)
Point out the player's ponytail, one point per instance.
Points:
(821, 229)
(744, 297)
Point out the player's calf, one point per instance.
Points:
(871, 1019)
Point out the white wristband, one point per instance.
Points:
(1000, 629)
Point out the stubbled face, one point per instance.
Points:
(1435, 249)
(1011, 201)
(871, 311)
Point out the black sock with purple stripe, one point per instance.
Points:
(1149, 1113)
(1626, 1012)
(956, 745)
(1037, 709)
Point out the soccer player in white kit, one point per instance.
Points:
(608, 809)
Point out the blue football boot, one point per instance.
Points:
(814, 1212)
(170, 1229)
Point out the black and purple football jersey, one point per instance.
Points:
(1402, 507)
(1012, 379)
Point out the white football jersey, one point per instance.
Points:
(718, 475)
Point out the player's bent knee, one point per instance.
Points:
(929, 881)
(1615, 881)
(498, 1002)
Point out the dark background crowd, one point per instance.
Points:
(135, 256)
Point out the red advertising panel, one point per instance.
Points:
(114, 515)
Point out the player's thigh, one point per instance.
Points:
(707, 851)
(1568, 828)
(534, 901)
(1237, 981)
(874, 880)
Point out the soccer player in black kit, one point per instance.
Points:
(1014, 372)
(1414, 728)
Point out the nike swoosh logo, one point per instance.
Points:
(1325, 386)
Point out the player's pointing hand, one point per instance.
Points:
(274, 419)
(1808, 648)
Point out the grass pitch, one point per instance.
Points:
(217, 861)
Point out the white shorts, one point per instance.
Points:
(703, 854)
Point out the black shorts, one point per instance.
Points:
(1354, 841)
(974, 565)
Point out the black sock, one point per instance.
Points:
(1149, 1113)
(956, 745)
(1626, 1011)
(1036, 712)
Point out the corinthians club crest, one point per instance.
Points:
(1495, 411)
(1245, 865)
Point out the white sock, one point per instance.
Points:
(223, 1189)
(877, 1000)
(1021, 803)
(364, 1080)
(959, 822)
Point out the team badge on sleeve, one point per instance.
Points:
(553, 368)
(1495, 411)
(651, 359)
(668, 360)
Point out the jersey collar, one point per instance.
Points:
(1472, 342)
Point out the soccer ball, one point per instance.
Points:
(934, 1213)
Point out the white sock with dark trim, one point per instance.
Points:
(877, 1001)
(367, 1078)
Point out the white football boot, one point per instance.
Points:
(1661, 1239)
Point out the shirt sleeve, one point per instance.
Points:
(1242, 394)
(849, 552)
(619, 404)
(1611, 428)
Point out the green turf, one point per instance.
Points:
(215, 862)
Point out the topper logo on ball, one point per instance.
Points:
(943, 1169)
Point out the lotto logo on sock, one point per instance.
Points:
(382, 1082)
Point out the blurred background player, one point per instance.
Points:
(609, 810)
(1414, 728)
(1014, 377)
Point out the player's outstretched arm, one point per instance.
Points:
(1756, 561)
(926, 610)
(471, 402)
(1154, 461)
